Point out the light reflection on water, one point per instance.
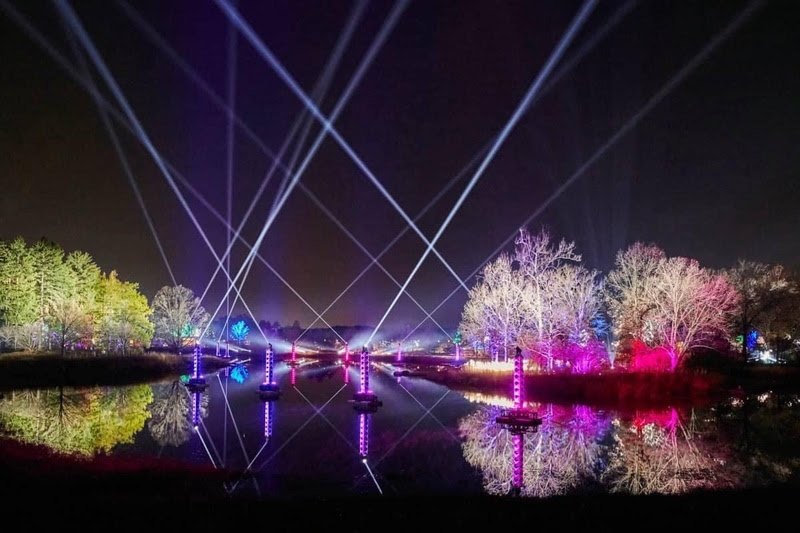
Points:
(425, 439)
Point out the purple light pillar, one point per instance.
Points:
(399, 351)
(363, 436)
(518, 379)
(346, 352)
(268, 365)
(196, 361)
(294, 353)
(518, 442)
(364, 370)
(227, 348)
(268, 415)
(196, 409)
(217, 352)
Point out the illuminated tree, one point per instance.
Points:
(239, 331)
(559, 457)
(25, 336)
(626, 288)
(497, 306)
(170, 424)
(176, 314)
(18, 303)
(123, 315)
(657, 454)
(688, 305)
(68, 321)
(84, 421)
(763, 289)
(539, 259)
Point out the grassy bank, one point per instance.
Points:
(622, 389)
(50, 370)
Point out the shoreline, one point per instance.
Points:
(29, 371)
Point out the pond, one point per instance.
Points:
(424, 439)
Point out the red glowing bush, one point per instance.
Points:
(647, 359)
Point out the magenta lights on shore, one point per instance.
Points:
(364, 371)
(518, 443)
(363, 436)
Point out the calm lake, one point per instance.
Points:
(424, 439)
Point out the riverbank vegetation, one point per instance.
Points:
(650, 313)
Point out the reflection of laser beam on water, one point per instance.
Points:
(325, 418)
(631, 123)
(233, 419)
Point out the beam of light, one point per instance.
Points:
(373, 477)
(231, 89)
(258, 256)
(211, 442)
(319, 92)
(265, 52)
(409, 430)
(325, 418)
(432, 415)
(72, 20)
(233, 419)
(208, 452)
(631, 123)
(112, 134)
(351, 85)
(566, 39)
(455, 179)
(361, 247)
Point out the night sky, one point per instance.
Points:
(711, 172)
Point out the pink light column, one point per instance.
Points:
(518, 442)
(293, 376)
(346, 352)
(364, 370)
(294, 353)
(363, 435)
(399, 352)
(518, 379)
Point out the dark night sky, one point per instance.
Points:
(712, 172)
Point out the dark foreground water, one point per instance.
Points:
(425, 438)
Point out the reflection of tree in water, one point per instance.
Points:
(559, 457)
(765, 430)
(658, 453)
(84, 421)
(170, 424)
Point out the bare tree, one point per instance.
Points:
(626, 287)
(498, 306)
(68, 320)
(176, 314)
(762, 289)
(688, 305)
